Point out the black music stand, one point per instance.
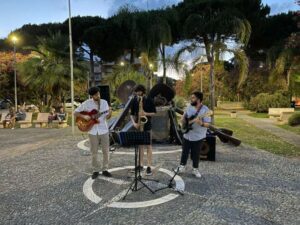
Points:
(171, 185)
(135, 138)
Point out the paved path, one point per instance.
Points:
(43, 183)
(268, 125)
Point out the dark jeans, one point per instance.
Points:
(194, 147)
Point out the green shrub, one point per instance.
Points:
(263, 101)
(115, 103)
(180, 102)
(294, 119)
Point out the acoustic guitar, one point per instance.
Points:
(187, 124)
(84, 125)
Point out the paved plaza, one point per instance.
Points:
(45, 179)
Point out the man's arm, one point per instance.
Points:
(152, 108)
(204, 122)
(133, 111)
(109, 113)
(80, 109)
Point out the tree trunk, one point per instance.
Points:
(212, 84)
(92, 65)
(288, 77)
(163, 57)
(131, 56)
(209, 48)
(148, 84)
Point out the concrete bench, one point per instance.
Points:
(284, 117)
(226, 105)
(276, 112)
(27, 122)
(42, 120)
(61, 124)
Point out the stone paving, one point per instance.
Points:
(43, 173)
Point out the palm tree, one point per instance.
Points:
(210, 28)
(48, 72)
(161, 32)
(123, 73)
(126, 19)
(286, 64)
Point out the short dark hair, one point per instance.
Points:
(140, 87)
(198, 95)
(93, 90)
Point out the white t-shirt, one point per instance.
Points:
(198, 132)
(88, 105)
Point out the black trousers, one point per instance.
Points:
(193, 147)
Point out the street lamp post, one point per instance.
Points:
(71, 67)
(14, 39)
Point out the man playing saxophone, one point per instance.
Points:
(142, 109)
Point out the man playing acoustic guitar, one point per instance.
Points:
(99, 132)
(193, 138)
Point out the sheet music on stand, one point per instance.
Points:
(132, 138)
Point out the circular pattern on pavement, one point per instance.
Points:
(92, 196)
(81, 145)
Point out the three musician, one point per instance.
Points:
(193, 139)
(99, 133)
(143, 108)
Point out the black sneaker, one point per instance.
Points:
(106, 173)
(95, 175)
(148, 171)
(141, 168)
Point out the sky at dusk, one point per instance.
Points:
(15, 13)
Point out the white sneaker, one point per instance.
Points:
(180, 169)
(196, 173)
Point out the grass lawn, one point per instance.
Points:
(116, 113)
(295, 129)
(259, 115)
(256, 137)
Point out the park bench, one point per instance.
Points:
(284, 117)
(42, 120)
(3, 114)
(27, 122)
(276, 112)
(61, 124)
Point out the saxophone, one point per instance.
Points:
(141, 119)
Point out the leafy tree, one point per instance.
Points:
(210, 24)
(80, 25)
(123, 73)
(7, 74)
(126, 19)
(287, 65)
(48, 72)
(30, 33)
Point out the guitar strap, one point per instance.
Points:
(195, 115)
(99, 112)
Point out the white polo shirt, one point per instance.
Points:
(89, 105)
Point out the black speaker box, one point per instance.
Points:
(104, 92)
(208, 148)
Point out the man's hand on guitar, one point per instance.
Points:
(198, 121)
(109, 113)
(86, 117)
